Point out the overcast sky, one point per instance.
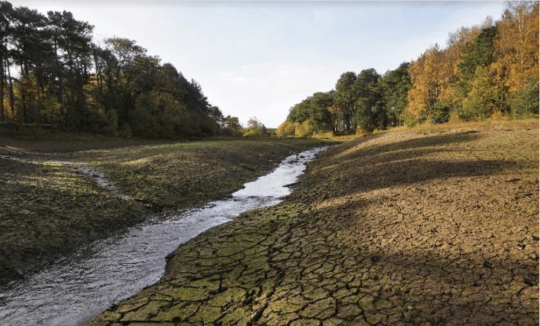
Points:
(257, 59)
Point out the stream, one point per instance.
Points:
(74, 289)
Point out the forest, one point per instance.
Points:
(53, 75)
(489, 70)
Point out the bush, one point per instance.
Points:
(305, 129)
(525, 103)
(143, 122)
(231, 132)
(439, 113)
(254, 129)
(286, 129)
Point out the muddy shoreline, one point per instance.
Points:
(54, 202)
(430, 227)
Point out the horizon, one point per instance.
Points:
(258, 59)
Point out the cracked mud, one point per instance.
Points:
(55, 197)
(394, 229)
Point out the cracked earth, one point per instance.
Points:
(400, 228)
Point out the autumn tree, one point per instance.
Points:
(516, 49)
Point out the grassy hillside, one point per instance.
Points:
(424, 226)
(52, 203)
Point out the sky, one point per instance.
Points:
(258, 59)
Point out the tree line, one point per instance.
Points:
(485, 70)
(52, 72)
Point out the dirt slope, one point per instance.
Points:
(411, 227)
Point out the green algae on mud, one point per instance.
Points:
(180, 175)
(48, 208)
(396, 228)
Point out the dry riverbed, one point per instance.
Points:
(418, 227)
(58, 195)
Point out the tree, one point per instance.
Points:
(232, 123)
(320, 112)
(29, 48)
(515, 51)
(217, 115)
(301, 111)
(477, 53)
(525, 101)
(6, 12)
(394, 87)
(72, 50)
(371, 112)
(482, 98)
(255, 128)
(345, 98)
(426, 87)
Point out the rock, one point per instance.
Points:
(375, 258)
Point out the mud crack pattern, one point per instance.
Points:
(394, 229)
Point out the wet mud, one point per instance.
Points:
(56, 196)
(80, 286)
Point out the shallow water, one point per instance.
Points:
(73, 290)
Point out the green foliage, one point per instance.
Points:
(345, 98)
(360, 102)
(255, 129)
(394, 87)
(487, 69)
(115, 88)
(525, 102)
(231, 132)
(300, 112)
(478, 53)
(439, 113)
(481, 101)
(143, 120)
(232, 123)
(370, 113)
(320, 116)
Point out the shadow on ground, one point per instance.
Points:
(394, 229)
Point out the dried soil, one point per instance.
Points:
(402, 228)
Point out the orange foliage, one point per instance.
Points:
(516, 48)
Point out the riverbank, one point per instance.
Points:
(434, 226)
(54, 199)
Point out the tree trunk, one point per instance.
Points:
(37, 115)
(98, 73)
(2, 83)
(22, 86)
(60, 77)
(11, 102)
